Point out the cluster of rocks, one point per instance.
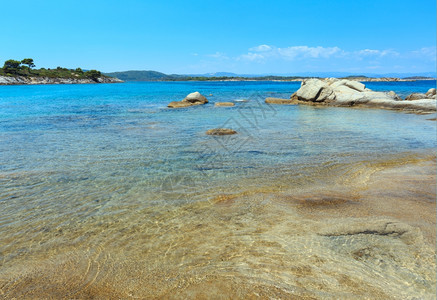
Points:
(431, 94)
(198, 99)
(343, 92)
(17, 80)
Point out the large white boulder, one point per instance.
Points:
(195, 97)
(348, 93)
(315, 90)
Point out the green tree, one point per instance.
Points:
(12, 66)
(28, 62)
(93, 74)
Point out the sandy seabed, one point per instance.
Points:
(369, 235)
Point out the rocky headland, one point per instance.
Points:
(20, 80)
(343, 92)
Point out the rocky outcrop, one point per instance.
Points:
(224, 104)
(416, 96)
(191, 99)
(17, 80)
(221, 131)
(431, 94)
(344, 92)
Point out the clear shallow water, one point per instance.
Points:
(99, 171)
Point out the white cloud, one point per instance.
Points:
(427, 52)
(261, 48)
(218, 55)
(289, 53)
(251, 56)
(297, 52)
(293, 53)
(372, 52)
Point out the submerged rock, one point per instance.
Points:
(179, 104)
(224, 104)
(220, 131)
(405, 232)
(191, 99)
(272, 100)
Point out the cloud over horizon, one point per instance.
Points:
(301, 58)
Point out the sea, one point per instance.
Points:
(107, 193)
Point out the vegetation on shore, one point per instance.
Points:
(26, 67)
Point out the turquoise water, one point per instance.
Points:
(74, 158)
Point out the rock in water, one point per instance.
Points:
(344, 92)
(221, 131)
(272, 100)
(224, 104)
(315, 90)
(179, 104)
(416, 96)
(196, 98)
(191, 99)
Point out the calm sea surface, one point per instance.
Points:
(97, 181)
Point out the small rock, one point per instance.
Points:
(394, 96)
(224, 104)
(220, 131)
(272, 100)
(179, 104)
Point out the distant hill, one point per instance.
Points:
(139, 75)
(158, 76)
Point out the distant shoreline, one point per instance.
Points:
(294, 80)
(24, 80)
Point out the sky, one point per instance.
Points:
(244, 37)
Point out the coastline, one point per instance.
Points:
(24, 80)
(301, 79)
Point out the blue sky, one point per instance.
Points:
(257, 37)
